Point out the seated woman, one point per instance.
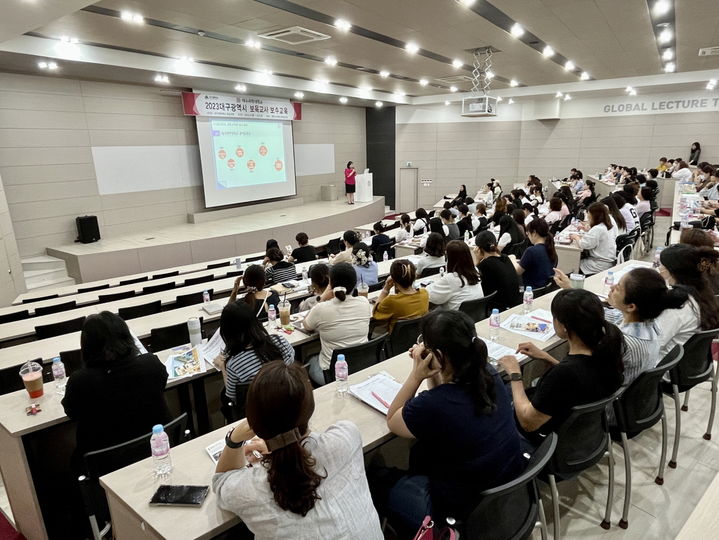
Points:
(319, 275)
(341, 319)
(497, 272)
(433, 256)
(379, 238)
(684, 267)
(460, 283)
(421, 221)
(500, 210)
(247, 346)
(259, 298)
(278, 270)
(644, 203)
(303, 253)
(405, 229)
(530, 213)
(509, 234)
(271, 243)
(466, 437)
(538, 261)
(364, 265)
(118, 394)
(555, 210)
(598, 242)
(631, 219)
(407, 302)
(592, 369)
(481, 215)
(701, 238)
(619, 226)
(307, 482)
(349, 239)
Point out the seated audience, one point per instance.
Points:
(364, 265)
(405, 229)
(319, 275)
(481, 217)
(305, 252)
(433, 256)
(278, 269)
(619, 226)
(644, 204)
(421, 221)
(271, 243)
(349, 238)
(379, 237)
(500, 210)
(407, 302)
(530, 213)
(682, 171)
(256, 295)
(449, 224)
(598, 242)
(538, 261)
(461, 281)
(300, 487)
(509, 234)
(555, 210)
(631, 219)
(497, 272)
(467, 221)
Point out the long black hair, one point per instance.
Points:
(343, 275)
(452, 337)
(507, 224)
(647, 290)
(105, 338)
(611, 204)
(240, 329)
(541, 228)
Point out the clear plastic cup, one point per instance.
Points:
(363, 289)
(576, 281)
(31, 374)
(284, 308)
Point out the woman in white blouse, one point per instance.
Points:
(598, 241)
(460, 283)
(433, 256)
(405, 231)
(683, 172)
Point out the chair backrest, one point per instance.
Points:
(377, 286)
(490, 518)
(72, 360)
(55, 308)
(642, 404)
(191, 299)
(31, 300)
(358, 357)
(133, 312)
(646, 221)
(625, 252)
(218, 265)
(166, 274)
(10, 380)
(15, 316)
(582, 438)
(696, 364)
(167, 337)
(382, 249)
(45, 331)
(333, 246)
(149, 289)
(430, 271)
(517, 249)
(403, 336)
(102, 298)
(234, 273)
(199, 279)
(477, 309)
(134, 280)
(95, 288)
(549, 287)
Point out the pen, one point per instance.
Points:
(543, 320)
(382, 401)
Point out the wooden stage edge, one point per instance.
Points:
(192, 243)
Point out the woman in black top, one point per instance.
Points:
(119, 394)
(497, 272)
(305, 252)
(500, 209)
(509, 234)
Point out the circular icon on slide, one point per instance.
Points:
(240, 152)
(263, 150)
(231, 163)
(251, 164)
(278, 165)
(221, 153)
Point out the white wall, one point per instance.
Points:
(12, 282)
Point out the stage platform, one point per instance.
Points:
(198, 242)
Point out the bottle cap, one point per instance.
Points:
(272, 306)
(157, 428)
(56, 359)
(340, 357)
(528, 288)
(495, 311)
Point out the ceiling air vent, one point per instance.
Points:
(295, 35)
(454, 79)
(709, 51)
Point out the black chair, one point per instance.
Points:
(15, 316)
(166, 274)
(549, 287)
(55, 308)
(640, 407)
(561, 224)
(150, 289)
(490, 518)
(583, 441)
(235, 410)
(477, 309)
(696, 367)
(200, 279)
(234, 273)
(218, 265)
(378, 255)
(430, 271)
(403, 336)
(517, 249)
(625, 245)
(95, 288)
(72, 360)
(167, 337)
(31, 300)
(646, 225)
(133, 312)
(102, 298)
(134, 280)
(45, 331)
(101, 462)
(191, 299)
(358, 357)
(333, 246)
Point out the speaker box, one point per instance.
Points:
(87, 229)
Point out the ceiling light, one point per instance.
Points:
(378, 104)
(670, 67)
(452, 88)
(513, 83)
(711, 84)
(489, 74)
(558, 94)
(267, 72)
(584, 76)
(412, 47)
(342, 24)
(343, 100)
(253, 43)
(423, 82)
(331, 61)
(52, 66)
(187, 59)
(569, 65)
(161, 78)
(322, 82)
(129, 16)
(661, 7)
(567, 97)
(499, 99)
(517, 30)
(42, 65)
(365, 89)
(400, 94)
(548, 51)
(299, 95)
(468, 3)
(447, 102)
(632, 92)
(457, 63)
(666, 35)
(241, 88)
(68, 39)
(384, 74)
(628, 89)
(667, 55)
(510, 101)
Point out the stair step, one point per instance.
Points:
(53, 284)
(42, 262)
(40, 278)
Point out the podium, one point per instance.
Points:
(363, 190)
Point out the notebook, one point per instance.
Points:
(378, 391)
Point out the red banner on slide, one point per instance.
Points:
(234, 106)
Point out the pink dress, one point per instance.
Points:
(350, 180)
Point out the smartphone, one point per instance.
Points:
(179, 495)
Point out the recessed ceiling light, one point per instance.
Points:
(129, 16)
(558, 94)
(457, 63)
(384, 74)
(322, 82)
(584, 76)
(468, 3)
(499, 99)
(667, 55)
(162, 78)
(632, 92)
(548, 51)
(513, 83)
(670, 67)
(68, 39)
(666, 35)
(567, 97)
(489, 74)
(365, 89)
(342, 24)
(628, 89)
(412, 47)
(517, 30)
(423, 82)
(253, 43)
(42, 65)
(267, 72)
(452, 88)
(299, 95)
(241, 87)
(331, 61)
(447, 102)
(711, 84)
(343, 100)
(569, 66)
(510, 101)
(186, 59)
(400, 94)
(50, 66)
(661, 7)
(378, 104)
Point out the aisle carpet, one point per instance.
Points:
(7, 531)
(664, 212)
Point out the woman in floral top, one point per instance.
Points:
(364, 265)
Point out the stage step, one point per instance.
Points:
(44, 272)
(42, 262)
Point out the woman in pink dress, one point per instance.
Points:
(350, 174)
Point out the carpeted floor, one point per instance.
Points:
(7, 531)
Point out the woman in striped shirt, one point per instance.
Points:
(279, 270)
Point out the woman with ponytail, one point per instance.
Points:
(592, 369)
(538, 262)
(407, 302)
(466, 437)
(341, 319)
(256, 296)
(305, 482)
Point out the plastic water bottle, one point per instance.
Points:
(238, 263)
(205, 296)
(58, 374)
(657, 255)
(467, 236)
(341, 373)
(385, 256)
(160, 447)
(305, 274)
(527, 299)
(608, 282)
(194, 328)
(494, 322)
(441, 271)
(272, 316)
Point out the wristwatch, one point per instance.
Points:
(512, 377)
(230, 443)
